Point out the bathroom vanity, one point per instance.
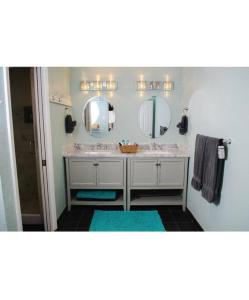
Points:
(162, 180)
(149, 177)
(96, 173)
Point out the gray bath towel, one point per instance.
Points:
(212, 171)
(200, 144)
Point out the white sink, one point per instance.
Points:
(98, 152)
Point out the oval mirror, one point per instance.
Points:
(154, 117)
(98, 116)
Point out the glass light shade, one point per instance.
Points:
(84, 86)
(141, 85)
(98, 85)
(168, 85)
(111, 85)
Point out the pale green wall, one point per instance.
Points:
(59, 79)
(218, 101)
(219, 107)
(126, 101)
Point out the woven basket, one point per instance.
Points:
(128, 148)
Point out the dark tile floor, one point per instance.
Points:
(33, 227)
(173, 218)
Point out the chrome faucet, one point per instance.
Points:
(77, 146)
(156, 146)
(99, 146)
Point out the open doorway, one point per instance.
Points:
(26, 147)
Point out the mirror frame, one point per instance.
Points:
(146, 99)
(83, 116)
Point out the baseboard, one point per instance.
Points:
(32, 219)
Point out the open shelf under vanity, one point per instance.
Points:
(156, 197)
(119, 201)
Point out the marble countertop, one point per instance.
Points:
(90, 152)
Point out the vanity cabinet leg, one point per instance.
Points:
(68, 185)
(184, 192)
(69, 199)
(124, 199)
(128, 199)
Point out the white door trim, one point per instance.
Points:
(8, 112)
(45, 148)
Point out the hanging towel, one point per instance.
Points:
(183, 125)
(213, 168)
(200, 144)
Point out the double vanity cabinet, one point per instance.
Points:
(140, 178)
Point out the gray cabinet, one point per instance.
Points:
(99, 173)
(82, 172)
(110, 173)
(157, 172)
(128, 175)
(143, 172)
(151, 174)
(171, 173)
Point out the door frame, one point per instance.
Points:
(40, 91)
(44, 141)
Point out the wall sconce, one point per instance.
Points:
(106, 85)
(143, 85)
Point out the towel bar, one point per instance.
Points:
(227, 141)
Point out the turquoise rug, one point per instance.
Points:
(126, 221)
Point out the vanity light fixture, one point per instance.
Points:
(143, 85)
(100, 85)
(168, 86)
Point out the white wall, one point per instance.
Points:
(3, 224)
(219, 107)
(126, 101)
(10, 206)
(59, 85)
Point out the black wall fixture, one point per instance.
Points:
(69, 124)
(183, 125)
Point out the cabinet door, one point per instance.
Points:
(110, 172)
(143, 172)
(82, 172)
(171, 173)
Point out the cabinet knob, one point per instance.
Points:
(158, 164)
(95, 164)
